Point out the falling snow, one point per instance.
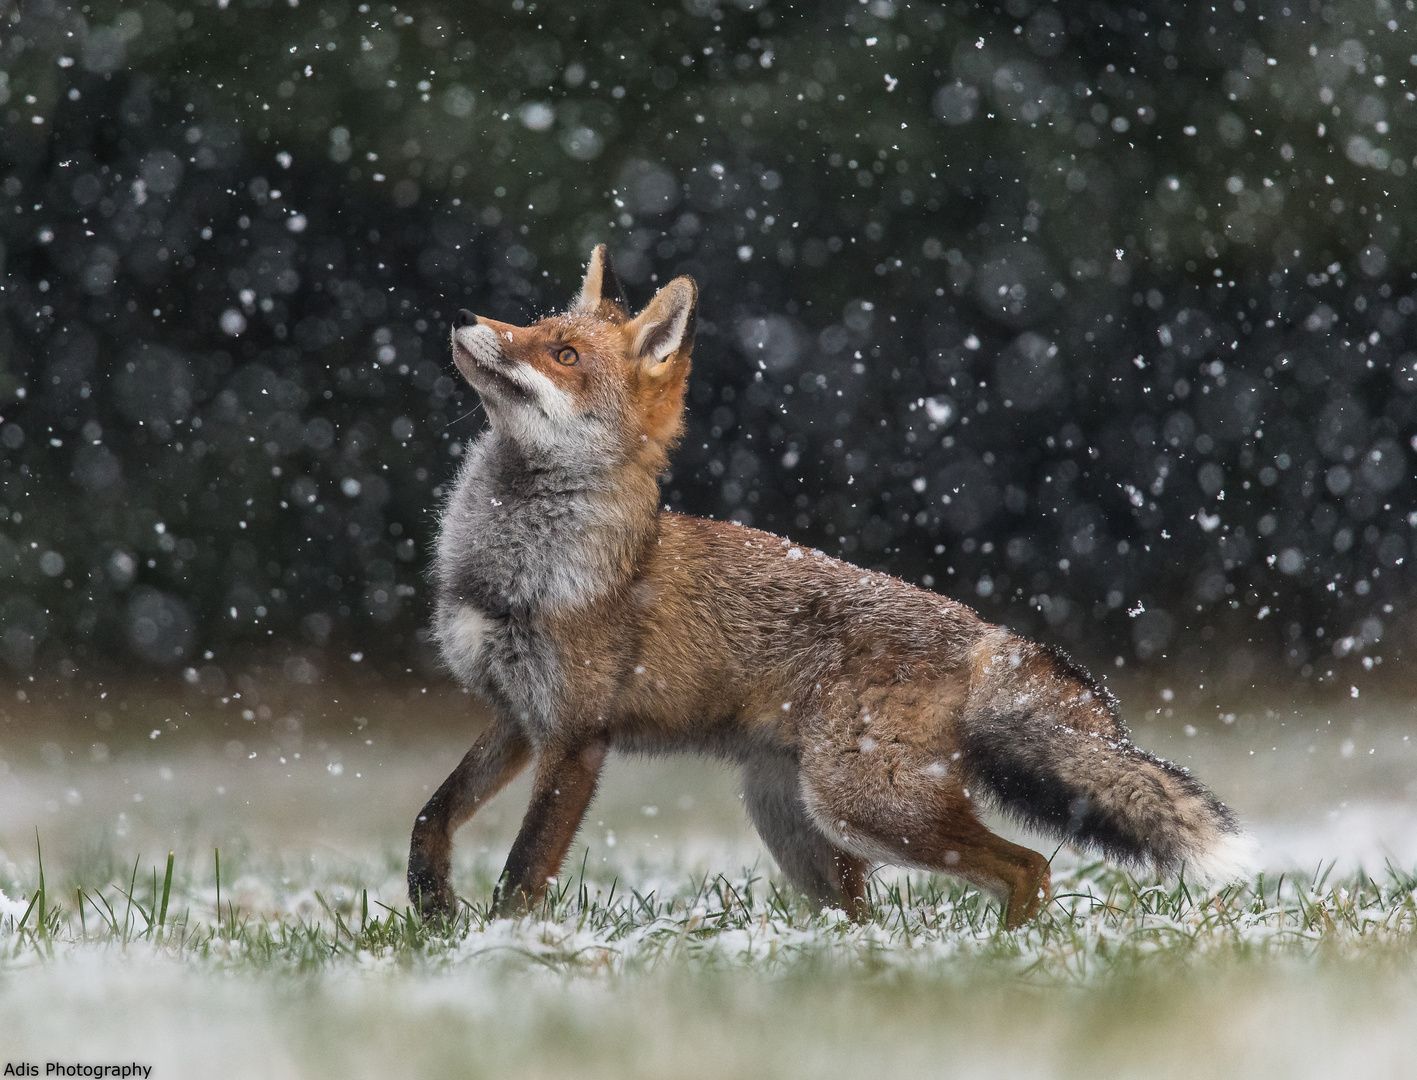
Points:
(1102, 321)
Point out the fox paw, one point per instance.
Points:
(430, 891)
(510, 903)
(1024, 907)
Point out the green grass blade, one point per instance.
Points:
(166, 892)
(40, 922)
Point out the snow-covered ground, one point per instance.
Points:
(767, 997)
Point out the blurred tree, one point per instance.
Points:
(1098, 317)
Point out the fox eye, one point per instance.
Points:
(567, 356)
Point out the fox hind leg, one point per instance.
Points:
(1017, 875)
(956, 842)
(882, 809)
(826, 874)
(495, 759)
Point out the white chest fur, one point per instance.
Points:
(512, 665)
(463, 636)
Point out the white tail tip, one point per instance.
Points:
(1227, 858)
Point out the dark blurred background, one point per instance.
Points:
(1097, 317)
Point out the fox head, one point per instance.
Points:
(594, 384)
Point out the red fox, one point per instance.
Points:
(869, 717)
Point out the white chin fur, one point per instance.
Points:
(554, 401)
(1230, 857)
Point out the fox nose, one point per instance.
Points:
(466, 318)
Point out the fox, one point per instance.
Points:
(873, 721)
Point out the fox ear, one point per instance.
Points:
(600, 283)
(666, 325)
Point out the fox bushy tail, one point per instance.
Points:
(1101, 792)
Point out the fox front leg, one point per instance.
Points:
(566, 776)
(499, 754)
